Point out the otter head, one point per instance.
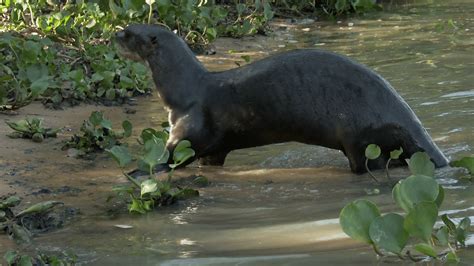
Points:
(140, 42)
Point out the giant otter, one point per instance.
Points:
(309, 96)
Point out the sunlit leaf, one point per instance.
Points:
(356, 217)
(148, 186)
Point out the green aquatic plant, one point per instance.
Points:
(31, 128)
(97, 135)
(13, 257)
(420, 197)
(151, 192)
(467, 163)
(15, 225)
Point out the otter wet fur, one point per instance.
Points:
(309, 96)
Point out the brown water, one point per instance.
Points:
(270, 205)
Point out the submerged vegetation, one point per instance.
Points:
(59, 52)
(420, 197)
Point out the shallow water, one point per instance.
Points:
(270, 205)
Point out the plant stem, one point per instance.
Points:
(149, 14)
(386, 167)
(131, 179)
(32, 15)
(368, 170)
(376, 250)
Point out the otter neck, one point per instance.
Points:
(177, 76)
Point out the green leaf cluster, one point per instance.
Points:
(98, 135)
(145, 195)
(31, 128)
(13, 257)
(420, 197)
(11, 223)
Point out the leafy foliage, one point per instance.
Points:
(467, 163)
(98, 135)
(420, 196)
(31, 128)
(13, 257)
(145, 195)
(13, 224)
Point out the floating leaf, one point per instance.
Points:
(121, 155)
(137, 206)
(426, 249)
(372, 151)
(387, 232)
(395, 154)
(356, 217)
(40, 207)
(420, 164)
(466, 162)
(420, 220)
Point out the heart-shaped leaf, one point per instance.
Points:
(466, 162)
